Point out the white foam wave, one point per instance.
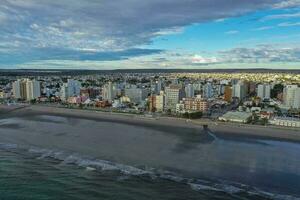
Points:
(103, 165)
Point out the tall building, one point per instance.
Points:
(239, 90)
(208, 91)
(16, 89)
(136, 95)
(152, 103)
(33, 89)
(70, 89)
(189, 91)
(108, 92)
(291, 96)
(160, 102)
(174, 93)
(228, 94)
(264, 91)
(26, 89)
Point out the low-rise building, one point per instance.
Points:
(240, 117)
(285, 121)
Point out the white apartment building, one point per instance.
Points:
(174, 93)
(264, 91)
(291, 96)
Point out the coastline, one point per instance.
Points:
(222, 129)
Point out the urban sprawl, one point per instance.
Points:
(254, 98)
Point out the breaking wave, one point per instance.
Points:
(91, 164)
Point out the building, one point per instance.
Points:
(16, 90)
(239, 90)
(108, 92)
(239, 117)
(285, 121)
(160, 102)
(228, 94)
(189, 91)
(174, 93)
(291, 96)
(26, 89)
(136, 95)
(264, 91)
(152, 103)
(208, 91)
(195, 104)
(70, 89)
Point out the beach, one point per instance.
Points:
(178, 149)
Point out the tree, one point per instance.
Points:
(278, 88)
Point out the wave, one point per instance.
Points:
(91, 164)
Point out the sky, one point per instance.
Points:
(136, 34)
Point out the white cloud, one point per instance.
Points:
(287, 24)
(282, 16)
(232, 32)
(287, 4)
(263, 28)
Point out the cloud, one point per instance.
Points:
(282, 16)
(93, 29)
(263, 28)
(287, 24)
(261, 54)
(287, 4)
(198, 59)
(232, 32)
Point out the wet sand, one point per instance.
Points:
(165, 144)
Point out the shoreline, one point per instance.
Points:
(220, 129)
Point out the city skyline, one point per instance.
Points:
(133, 34)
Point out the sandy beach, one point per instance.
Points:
(226, 130)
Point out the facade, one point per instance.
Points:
(264, 91)
(16, 90)
(239, 90)
(239, 117)
(70, 89)
(108, 92)
(26, 89)
(208, 91)
(189, 91)
(288, 122)
(136, 95)
(195, 104)
(160, 102)
(174, 93)
(152, 103)
(228, 94)
(291, 96)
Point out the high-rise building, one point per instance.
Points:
(160, 102)
(189, 91)
(291, 96)
(26, 89)
(136, 95)
(16, 90)
(174, 93)
(239, 90)
(108, 92)
(70, 89)
(228, 94)
(33, 89)
(152, 103)
(208, 91)
(264, 91)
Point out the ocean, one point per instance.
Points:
(38, 162)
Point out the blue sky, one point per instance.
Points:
(101, 34)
